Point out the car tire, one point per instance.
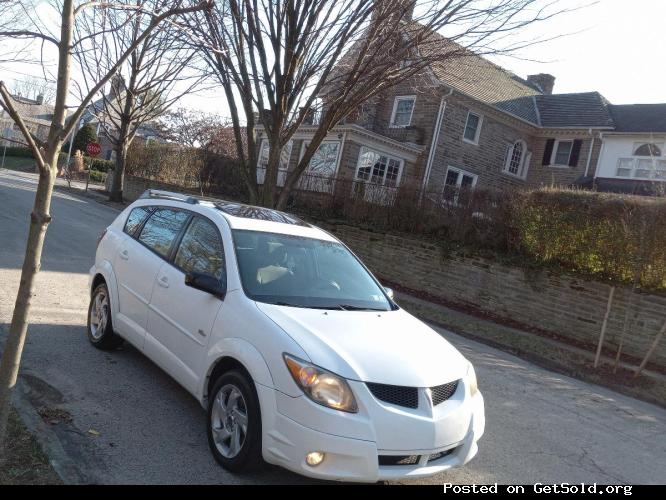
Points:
(100, 328)
(233, 413)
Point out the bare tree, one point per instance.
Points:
(60, 33)
(189, 128)
(281, 62)
(159, 70)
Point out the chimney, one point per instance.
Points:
(40, 99)
(117, 85)
(404, 9)
(543, 81)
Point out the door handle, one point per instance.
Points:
(124, 255)
(163, 282)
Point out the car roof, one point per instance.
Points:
(241, 216)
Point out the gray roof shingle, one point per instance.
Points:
(586, 109)
(639, 117)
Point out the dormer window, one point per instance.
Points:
(403, 108)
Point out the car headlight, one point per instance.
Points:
(471, 380)
(320, 386)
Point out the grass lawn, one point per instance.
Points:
(26, 463)
(18, 163)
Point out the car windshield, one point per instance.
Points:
(305, 272)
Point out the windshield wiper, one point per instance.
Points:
(302, 306)
(348, 307)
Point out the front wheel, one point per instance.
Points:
(234, 423)
(100, 329)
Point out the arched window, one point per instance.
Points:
(517, 159)
(647, 149)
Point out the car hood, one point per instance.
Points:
(388, 347)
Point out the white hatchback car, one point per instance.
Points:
(299, 355)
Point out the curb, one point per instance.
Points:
(63, 465)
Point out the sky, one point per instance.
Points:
(616, 47)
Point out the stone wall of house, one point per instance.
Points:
(546, 175)
(485, 159)
(567, 306)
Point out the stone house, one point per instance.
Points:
(37, 116)
(467, 122)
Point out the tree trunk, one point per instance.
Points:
(11, 355)
(269, 188)
(119, 174)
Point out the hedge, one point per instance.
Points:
(621, 238)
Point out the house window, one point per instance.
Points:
(378, 168)
(517, 159)
(472, 128)
(262, 162)
(562, 153)
(322, 167)
(403, 108)
(457, 180)
(460, 178)
(639, 168)
(647, 149)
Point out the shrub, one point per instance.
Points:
(617, 237)
(97, 176)
(19, 151)
(99, 164)
(83, 137)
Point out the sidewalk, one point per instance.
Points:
(549, 353)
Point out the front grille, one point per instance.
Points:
(395, 394)
(398, 459)
(443, 392)
(388, 460)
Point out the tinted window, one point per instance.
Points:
(201, 249)
(161, 229)
(135, 219)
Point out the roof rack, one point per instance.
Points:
(168, 195)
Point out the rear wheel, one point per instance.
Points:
(100, 329)
(234, 423)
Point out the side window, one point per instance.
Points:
(161, 229)
(136, 217)
(201, 249)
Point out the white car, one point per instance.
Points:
(299, 355)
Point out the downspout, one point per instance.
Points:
(589, 154)
(435, 140)
(601, 153)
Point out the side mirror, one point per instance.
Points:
(206, 283)
(389, 292)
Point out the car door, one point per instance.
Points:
(139, 258)
(180, 318)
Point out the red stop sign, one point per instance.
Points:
(93, 148)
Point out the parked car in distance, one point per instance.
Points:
(300, 357)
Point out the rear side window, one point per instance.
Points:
(136, 217)
(161, 229)
(201, 249)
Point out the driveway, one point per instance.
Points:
(130, 423)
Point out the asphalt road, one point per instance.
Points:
(130, 423)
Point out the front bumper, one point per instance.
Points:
(286, 441)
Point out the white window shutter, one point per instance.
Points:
(507, 156)
(526, 164)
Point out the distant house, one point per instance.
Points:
(36, 114)
(105, 120)
(467, 122)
